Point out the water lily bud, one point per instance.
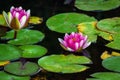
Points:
(74, 42)
(17, 18)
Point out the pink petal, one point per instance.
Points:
(62, 42)
(17, 15)
(73, 33)
(85, 38)
(11, 8)
(23, 21)
(81, 43)
(20, 8)
(28, 13)
(86, 45)
(66, 37)
(76, 46)
(69, 49)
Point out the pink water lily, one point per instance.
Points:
(17, 18)
(74, 42)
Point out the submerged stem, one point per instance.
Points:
(15, 34)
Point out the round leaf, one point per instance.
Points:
(105, 76)
(32, 51)
(115, 44)
(2, 20)
(112, 63)
(3, 63)
(17, 68)
(6, 76)
(24, 36)
(63, 63)
(111, 25)
(67, 22)
(35, 20)
(89, 29)
(99, 5)
(9, 52)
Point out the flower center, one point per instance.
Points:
(74, 39)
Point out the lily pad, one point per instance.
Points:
(6, 76)
(64, 63)
(9, 52)
(112, 63)
(24, 36)
(18, 68)
(3, 63)
(110, 25)
(35, 20)
(115, 44)
(32, 51)
(67, 22)
(2, 20)
(105, 76)
(89, 29)
(97, 5)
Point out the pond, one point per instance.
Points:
(60, 39)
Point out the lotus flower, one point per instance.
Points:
(74, 42)
(17, 18)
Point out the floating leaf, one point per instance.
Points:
(2, 20)
(67, 22)
(110, 25)
(112, 63)
(89, 29)
(115, 54)
(105, 35)
(32, 51)
(3, 63)
(18, 68)
(105, 76)
(115, 44)
(64, 63)
(97, 5)
(35, 20)
(9, 52)
(105, 55)
(3, 30)
(6, 76)
(24, 36)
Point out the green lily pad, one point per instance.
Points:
(24, 36)
(2, 20)
(3, 30)
(105, 35)
(64, 63)
(35, 20)
(105, 76)
(32, 51)
(89, 29)
(115, 44)
(97, 5)
(112, 63)
(9, 52)
(17, 68)
(6, 76)
(110, 25)
(67, 22)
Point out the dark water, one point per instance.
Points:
(48, 8)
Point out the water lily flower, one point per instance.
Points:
(17, 18)
(75, 42)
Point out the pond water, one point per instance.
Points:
(48, 8)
